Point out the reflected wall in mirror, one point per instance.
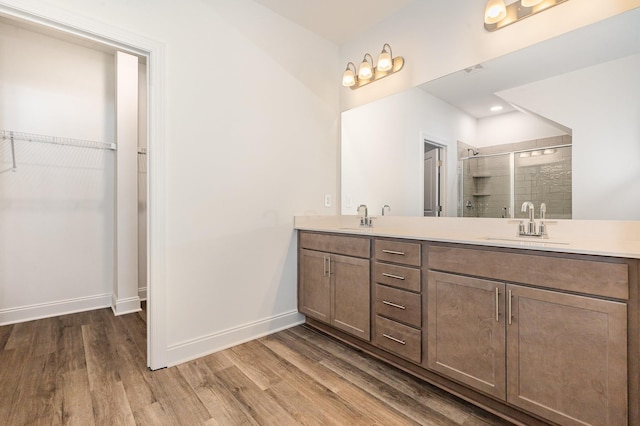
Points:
(581, 85)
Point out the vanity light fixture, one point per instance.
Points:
(495, 11)
(498, 15)
(496, 108)
(366, 68)
(368, 72)
(349, 76)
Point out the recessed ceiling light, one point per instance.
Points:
(496, 108)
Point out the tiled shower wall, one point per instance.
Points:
(540, 176)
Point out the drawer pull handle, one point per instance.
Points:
(386, 302)
(393, 252)
(397, 277)
(402, 342)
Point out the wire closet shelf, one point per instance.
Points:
(33, 138)
(29, 137)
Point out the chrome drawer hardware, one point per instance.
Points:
(393, 252)
(386, 302)
(402, 342)
(397, 277)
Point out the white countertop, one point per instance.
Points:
(596, 237)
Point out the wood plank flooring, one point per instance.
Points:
(90, 369)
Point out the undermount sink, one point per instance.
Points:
(356, 228)
(527, 240)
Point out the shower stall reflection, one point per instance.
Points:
(492, 185)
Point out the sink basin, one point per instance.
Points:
(356, 228)
(527, 241)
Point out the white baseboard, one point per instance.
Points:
(125, 306)
(52, 309)
(196, 348)
(142, 293)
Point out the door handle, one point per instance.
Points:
(510, 314)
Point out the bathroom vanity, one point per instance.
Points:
(536, 332)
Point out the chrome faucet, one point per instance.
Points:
(386, 206)
(365, 220)
(543, 215)
(531, 230)
(531, 226)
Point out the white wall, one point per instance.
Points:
(56, 210)
(440, 37)
(251, 137)
(390, 133)
(606, 172)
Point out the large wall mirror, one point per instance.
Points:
(568, 132)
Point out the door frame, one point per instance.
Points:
(428, 147)
(55, 18)
(442, 146)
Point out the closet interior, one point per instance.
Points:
(73, 182)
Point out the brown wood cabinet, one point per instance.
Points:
(564, 355)
(397, 298)
(567, 357)
(314, 297)
(534, 336)
(335, 288)
(466, 331)
(558, 355)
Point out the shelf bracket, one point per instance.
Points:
(13, 152)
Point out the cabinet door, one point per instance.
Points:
(466, 331)
(351, 295)
(567, 357)
(314, 285)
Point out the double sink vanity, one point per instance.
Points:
(538, 331)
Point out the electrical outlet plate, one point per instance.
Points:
(327, 200)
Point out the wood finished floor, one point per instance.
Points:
(89, 368)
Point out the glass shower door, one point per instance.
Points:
(544, 176)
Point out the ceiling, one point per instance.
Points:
(335, 20)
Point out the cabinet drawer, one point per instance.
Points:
(600, 278)
(398, 252)
(397, 276)
(398, 305)
(400, 339)
(340, 244)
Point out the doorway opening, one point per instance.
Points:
(434, 172)
(104, 38)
